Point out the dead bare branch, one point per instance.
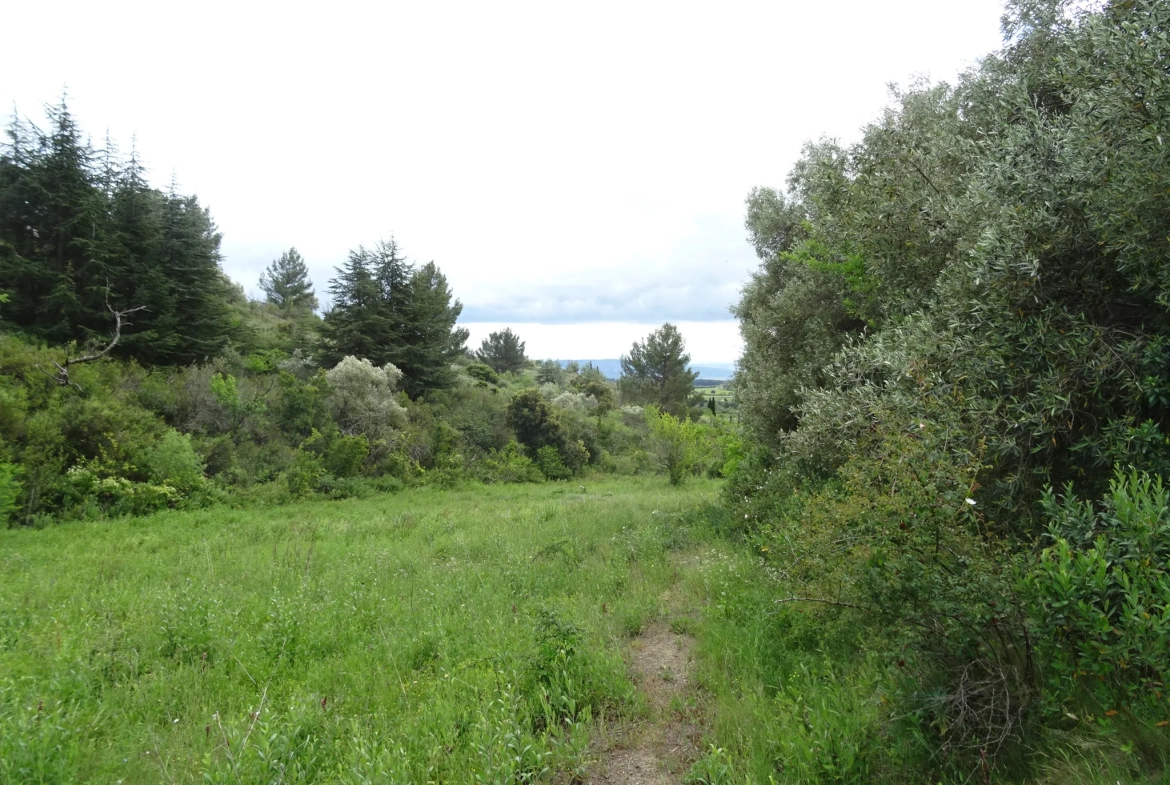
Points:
(62, 375)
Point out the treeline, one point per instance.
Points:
(83, 236)
(955, 391)
(82, 233)
(272, 427)
(134, 376)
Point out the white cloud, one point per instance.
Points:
(706, 342)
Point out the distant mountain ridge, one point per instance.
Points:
(613, 368)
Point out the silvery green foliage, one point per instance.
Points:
(788, 318)
(989, 262)
(363, 398)
(578, 402)
(300, 365)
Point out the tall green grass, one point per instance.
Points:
(445, 636)
(450, 636)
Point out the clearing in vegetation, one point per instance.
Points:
(610, 632)
(429, 636)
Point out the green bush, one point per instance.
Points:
(509, 465)
(447, 471)
(343, 487)
(172, 461)
(677, 443)
(1100, 596)
(898, 540)
(301, 405)
(305, 475)
(548, 460)
(91, 495)
(215, 430)
(483, 373)
(556, 446)
(534, 421)
(345, 455)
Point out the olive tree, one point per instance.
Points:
(363, 399)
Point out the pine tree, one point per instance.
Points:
(369, 293)
(133, 247)
(655, 371)
(503, 351)
(199, 294)
(82, 233)
(433, 341)
(286, 283)
(549, 372)
(49, 216)
(386, 311)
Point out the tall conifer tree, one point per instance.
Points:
(386, 311)
(503, 351)
(286, 283)
(81, 232)
(655, 371)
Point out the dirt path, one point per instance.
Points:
(659, 749)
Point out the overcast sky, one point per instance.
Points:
(565, 164)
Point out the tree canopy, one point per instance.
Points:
(549, 372)
(82, 234)
(503, 351)
(655, 371)
(385, 310)
(953, 319)
(990, 255)
(286, 283)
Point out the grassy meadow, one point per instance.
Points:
(468, 635)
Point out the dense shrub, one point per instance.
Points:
(509, 465)
(678, 444)
(1100, 595)
(548, 460)
(363, 399)
(483, 373)
(541, 429)
(172, 461)
(267, 427)
(533, 419)
(963, 308)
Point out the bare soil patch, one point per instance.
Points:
(656, 751)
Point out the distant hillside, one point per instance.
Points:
(719, 371)
(613, 368)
